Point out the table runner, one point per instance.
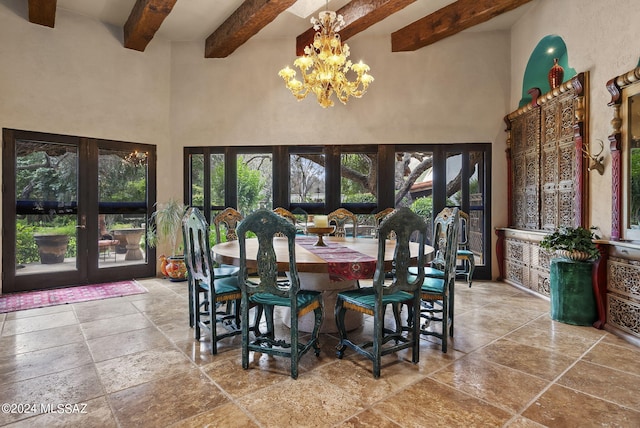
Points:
(343, 262)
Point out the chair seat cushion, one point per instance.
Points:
(225, 285)
(225, 271)
(366, 297)
(305, 298)
(464, 253)
(428, 272)
(433, 285)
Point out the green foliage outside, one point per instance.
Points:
(423, 207)
(251, 185)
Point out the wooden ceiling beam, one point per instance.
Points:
(144, 21)
(244, 23)
(358, 16)
(448, 21)
(43, 12)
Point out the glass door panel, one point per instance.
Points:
(122, 207)
(46, 204)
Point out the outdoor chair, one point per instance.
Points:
(270, 291)
(389, 288)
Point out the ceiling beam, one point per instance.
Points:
(244, 23)
(143, 22)
(43, 12)
(358, 16)
(448, 21)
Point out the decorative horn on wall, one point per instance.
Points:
(597, 161)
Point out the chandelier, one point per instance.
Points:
(324, 65)
(136, 158)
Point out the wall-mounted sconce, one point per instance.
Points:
(597, 161)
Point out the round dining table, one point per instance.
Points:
(337, 267)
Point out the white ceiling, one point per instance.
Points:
(196, 19)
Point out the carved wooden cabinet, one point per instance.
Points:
(526, 264)
(546, 180)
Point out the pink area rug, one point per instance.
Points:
(61, 296)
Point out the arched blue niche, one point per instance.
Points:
(540, 61)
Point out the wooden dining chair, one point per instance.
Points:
(379, 217)
(341, 217)
(438, 293)
(270, 291)
(464, 253)
(229, 219)
(393, 287)
(207, 313)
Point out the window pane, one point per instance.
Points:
(217, 180)
(414, 183)
(306, 179)
(453, 174)
(197, 180)
(359, 177)
(255, 172)
(476, 206)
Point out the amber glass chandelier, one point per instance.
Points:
(324, 65)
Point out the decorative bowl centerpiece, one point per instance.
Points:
(321, 231)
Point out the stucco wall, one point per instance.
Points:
(78, 79)
(603, 38)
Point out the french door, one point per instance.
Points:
(75, 210)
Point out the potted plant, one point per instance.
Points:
(166, 224)
(575, 243)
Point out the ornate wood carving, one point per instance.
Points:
(548, 173)
(600, 285)
(615, 87)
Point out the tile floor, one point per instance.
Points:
(132, 362)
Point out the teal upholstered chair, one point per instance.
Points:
(437, 293)
(464, 253)
(270, 291)
(207, 313)
(389, 288)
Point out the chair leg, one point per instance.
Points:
(472, 266)
(191, 286)
(244, 322)
(415, 328)
(378, 327)
(452, 295)
(213, 333)
(295, 354)
(342, 332)
(319, 312)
